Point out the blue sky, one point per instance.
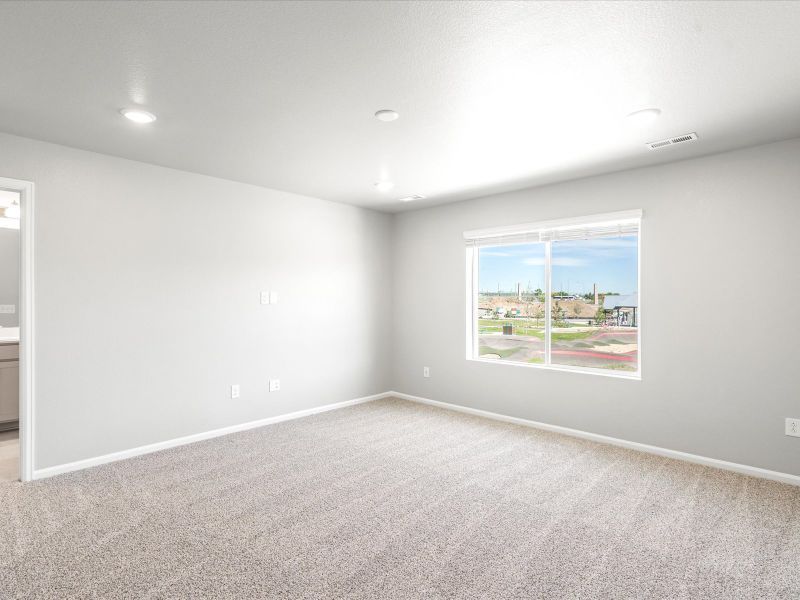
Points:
(609, 262)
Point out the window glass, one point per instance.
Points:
(561, 294)
(595, 303)
(511, 303)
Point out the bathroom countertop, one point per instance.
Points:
(9, 335)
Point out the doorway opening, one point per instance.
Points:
(9, 334)
(16, 330)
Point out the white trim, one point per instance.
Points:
(639, 329)
(473, 266)
(568, 223)
(595, 437)
(26, 326)
(548, 304)
(196, 437)
(473, 292)
(635, 376)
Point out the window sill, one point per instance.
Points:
(637, 376)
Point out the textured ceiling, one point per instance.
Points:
(492, 96)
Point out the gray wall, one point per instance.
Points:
(719, 238)
(147, 304)
(147, 301)
(9, 274)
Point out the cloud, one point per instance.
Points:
(572, 253)
(568, 261)
(559, 261)
(534, 262)
(597, 250)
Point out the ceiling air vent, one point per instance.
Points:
(680, 139)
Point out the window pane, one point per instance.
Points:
(595, 309)
(511, 303)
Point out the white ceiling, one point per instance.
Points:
(492, 96)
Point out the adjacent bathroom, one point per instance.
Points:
(9, 334)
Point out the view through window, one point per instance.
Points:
(591, 275)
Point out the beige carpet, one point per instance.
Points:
(396, 500)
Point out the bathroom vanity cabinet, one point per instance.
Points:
(9, 384)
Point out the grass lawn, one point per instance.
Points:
(572, 335)
(528, 327)
(618, 367)
(504, 353)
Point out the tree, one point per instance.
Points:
(576, 309)
(600, 315)
(538, 313)
(558, 313)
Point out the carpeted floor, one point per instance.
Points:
(396, 500)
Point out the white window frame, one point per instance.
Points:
(472, 287)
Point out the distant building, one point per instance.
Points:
(624, 308)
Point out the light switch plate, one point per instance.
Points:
(235, 391)
(426, 371)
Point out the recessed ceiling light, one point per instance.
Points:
(387, 115)
(138, 116)
(384, 186)
(412, 198)
(645, 115)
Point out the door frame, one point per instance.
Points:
(26, 325)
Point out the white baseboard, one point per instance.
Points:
(666, 452)
(196, 437)
(692, 458)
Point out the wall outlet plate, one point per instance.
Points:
(235, 391)
(426, 371)
(8, 309)
(274, 385)
(268, 297)
(793, 427)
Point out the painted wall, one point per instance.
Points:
(147, 304)
(719, 233)
(147, 301)
(9, 275)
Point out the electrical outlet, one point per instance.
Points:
(426, 371)
(273, 297)
(274, 385)
(264, 297)
(235, 392)
(793, 427)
